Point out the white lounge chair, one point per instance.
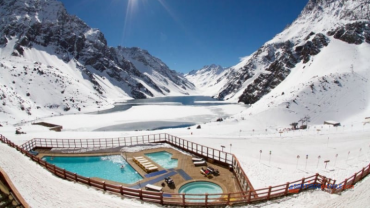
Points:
(200, 163)
(153, 187)
(146, 163)
(149, 166)
(151, 169)
(142, 161)
(197, 159)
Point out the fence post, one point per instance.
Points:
(206, 200)
(161, 198)
(249, 196)
(228, 199)
(323, 183)
(54, 169)
(64, 174)
(344, 184)
(362, 173)
(354, 178)
(75, 177)
(183, 200)
(316, 177)
(286, 188)
(334, 187)
(141, 194)
(269, 193)
(302, 184)
(89, 181)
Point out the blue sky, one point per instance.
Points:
(188, 34)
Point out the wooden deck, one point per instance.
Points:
(225, 179)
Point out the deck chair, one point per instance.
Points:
(197, 159)
(153, 187)
(151, 169)
(200, 163)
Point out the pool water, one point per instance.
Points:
(105, 167)
(200, 187)
(163, 159)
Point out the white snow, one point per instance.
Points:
(208, 80)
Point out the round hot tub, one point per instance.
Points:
(200, 188)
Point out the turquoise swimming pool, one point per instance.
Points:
(105, 167)
(200, 187)
(163, 159)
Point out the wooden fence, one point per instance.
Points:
(92, 143)
(249, 195)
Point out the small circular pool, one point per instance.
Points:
(201, 187)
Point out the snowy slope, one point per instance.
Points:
(156, 70)
(52, 63)
(209, 79)
(299, 46)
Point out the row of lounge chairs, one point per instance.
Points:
(143, 163)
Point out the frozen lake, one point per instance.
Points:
(175, 122)
(179, 100)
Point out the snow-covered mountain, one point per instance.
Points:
(52, 62)
(321, 25)
(208, 79)
(317, 65)
(156, 70)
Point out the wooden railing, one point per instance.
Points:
(248, 195)
(93, 143)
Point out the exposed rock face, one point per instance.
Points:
(353, 33)
(45, 25)
(278, 59)
(311, 48)
(287, 57)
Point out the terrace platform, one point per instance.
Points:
(185, 172)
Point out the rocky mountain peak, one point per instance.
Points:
(33, 11)
(213, 68)
(337, 9)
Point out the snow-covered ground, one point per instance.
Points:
(246, 134)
